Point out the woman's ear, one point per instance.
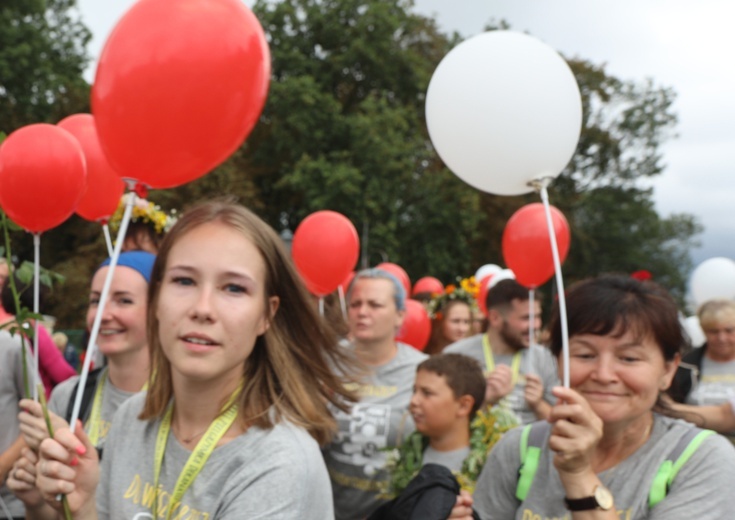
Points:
(669, 372)
(273, 304)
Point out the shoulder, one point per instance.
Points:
(129, 410)
(10, 343)
(713, 448)
(464, 346)
(61, 394)
(409, 355)
(695, 355)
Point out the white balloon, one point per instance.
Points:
(714, 278)
(694, 330)
(504, 274)
(487, 270)
(503, 109)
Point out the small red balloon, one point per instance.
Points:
(325, 249)
(397, 271)
(427, 284)
(42, 176)
(179, 86)
(104, 186)
(482, 294)
(526, 244)
(416, 327)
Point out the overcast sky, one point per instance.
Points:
(680, 44)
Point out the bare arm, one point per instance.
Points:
(9, 456)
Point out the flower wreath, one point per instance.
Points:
(147, 213)
(465, 290)
(486, 429)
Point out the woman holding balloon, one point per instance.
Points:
(238, 403)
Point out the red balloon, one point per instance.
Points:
(42, 176)
(526, 244)
(482, 294)
(179, 87)
(397, 271)
(345, 284)
(325, 248)
(104, 187)
(428, 284)
(416, 327)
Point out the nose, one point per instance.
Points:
(605, 371)
(414, 400)
(201, 308)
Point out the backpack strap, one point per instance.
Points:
(89, 388)
(532, 439)
(670, 467)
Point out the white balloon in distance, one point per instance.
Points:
(503, 109)
(487, 270)
(713, 278)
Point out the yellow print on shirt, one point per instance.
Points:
(103, 428)
(623, 514)
(145, 495)
(371, 390)
(719, 378)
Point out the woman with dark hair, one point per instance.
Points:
(239, 394)
(605, 453)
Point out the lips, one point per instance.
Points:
(110, 332)
(198, 341)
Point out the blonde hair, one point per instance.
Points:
(293, 367)
(716, 311)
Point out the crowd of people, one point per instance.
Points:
(224, 393)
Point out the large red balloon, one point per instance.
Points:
(416, 327)
(427, 284)
(42, 176)
(104, 187)
(526, 244)
(397, 271)
(325, 249)
(179, 86)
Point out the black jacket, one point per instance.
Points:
(687, 374)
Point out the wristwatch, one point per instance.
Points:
(601, 499)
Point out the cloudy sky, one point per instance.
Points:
(680, 44)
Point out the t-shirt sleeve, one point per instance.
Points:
(60, 397)
(703, 487)
(495, 492)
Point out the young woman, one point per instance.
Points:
(123, 341)
(603, 454)
(238, 402)
(451, 317)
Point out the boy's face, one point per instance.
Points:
(433, 406)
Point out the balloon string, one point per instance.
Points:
(531, 329)
(321, 306)
(108, 240)
(36, 305)
(342, 302)
(100, 311)
(559, 287)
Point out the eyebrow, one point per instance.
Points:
(226, 274)
(631, 344)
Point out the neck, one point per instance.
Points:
(621, 441)
(129, 372)
(198, 403)
(720, 357)
(498, 344)
(458, 437)
(376, 353)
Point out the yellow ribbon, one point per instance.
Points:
(198, 457)
(94, 423)
(515, 365)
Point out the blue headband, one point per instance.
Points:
(141, 261)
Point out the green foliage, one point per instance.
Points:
(42, 57)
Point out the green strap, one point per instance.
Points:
(669, 468)
(530, 457)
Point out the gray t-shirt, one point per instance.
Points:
(702, 488)
(541, 363)
(275, 474)
(11, 392)
(449, 459)
(716, 385)
(112, 399)
(356, 458)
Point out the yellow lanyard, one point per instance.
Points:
(198, 457)
(515, 365)
(94, 423)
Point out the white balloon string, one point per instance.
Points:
(130, 200)
(6, 512)
(531, 329)
(108, 240)
(559, 287)
(36, 305)
(342, 302)
(321, 306)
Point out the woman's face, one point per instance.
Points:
(123, 325)
(372, 314)
(212, 303)
(457, 321)
(620, 377)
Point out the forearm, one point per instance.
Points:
(43, 511)
(578, 486)
(9, 456)
(542, 410)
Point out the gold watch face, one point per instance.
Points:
(604, 498)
